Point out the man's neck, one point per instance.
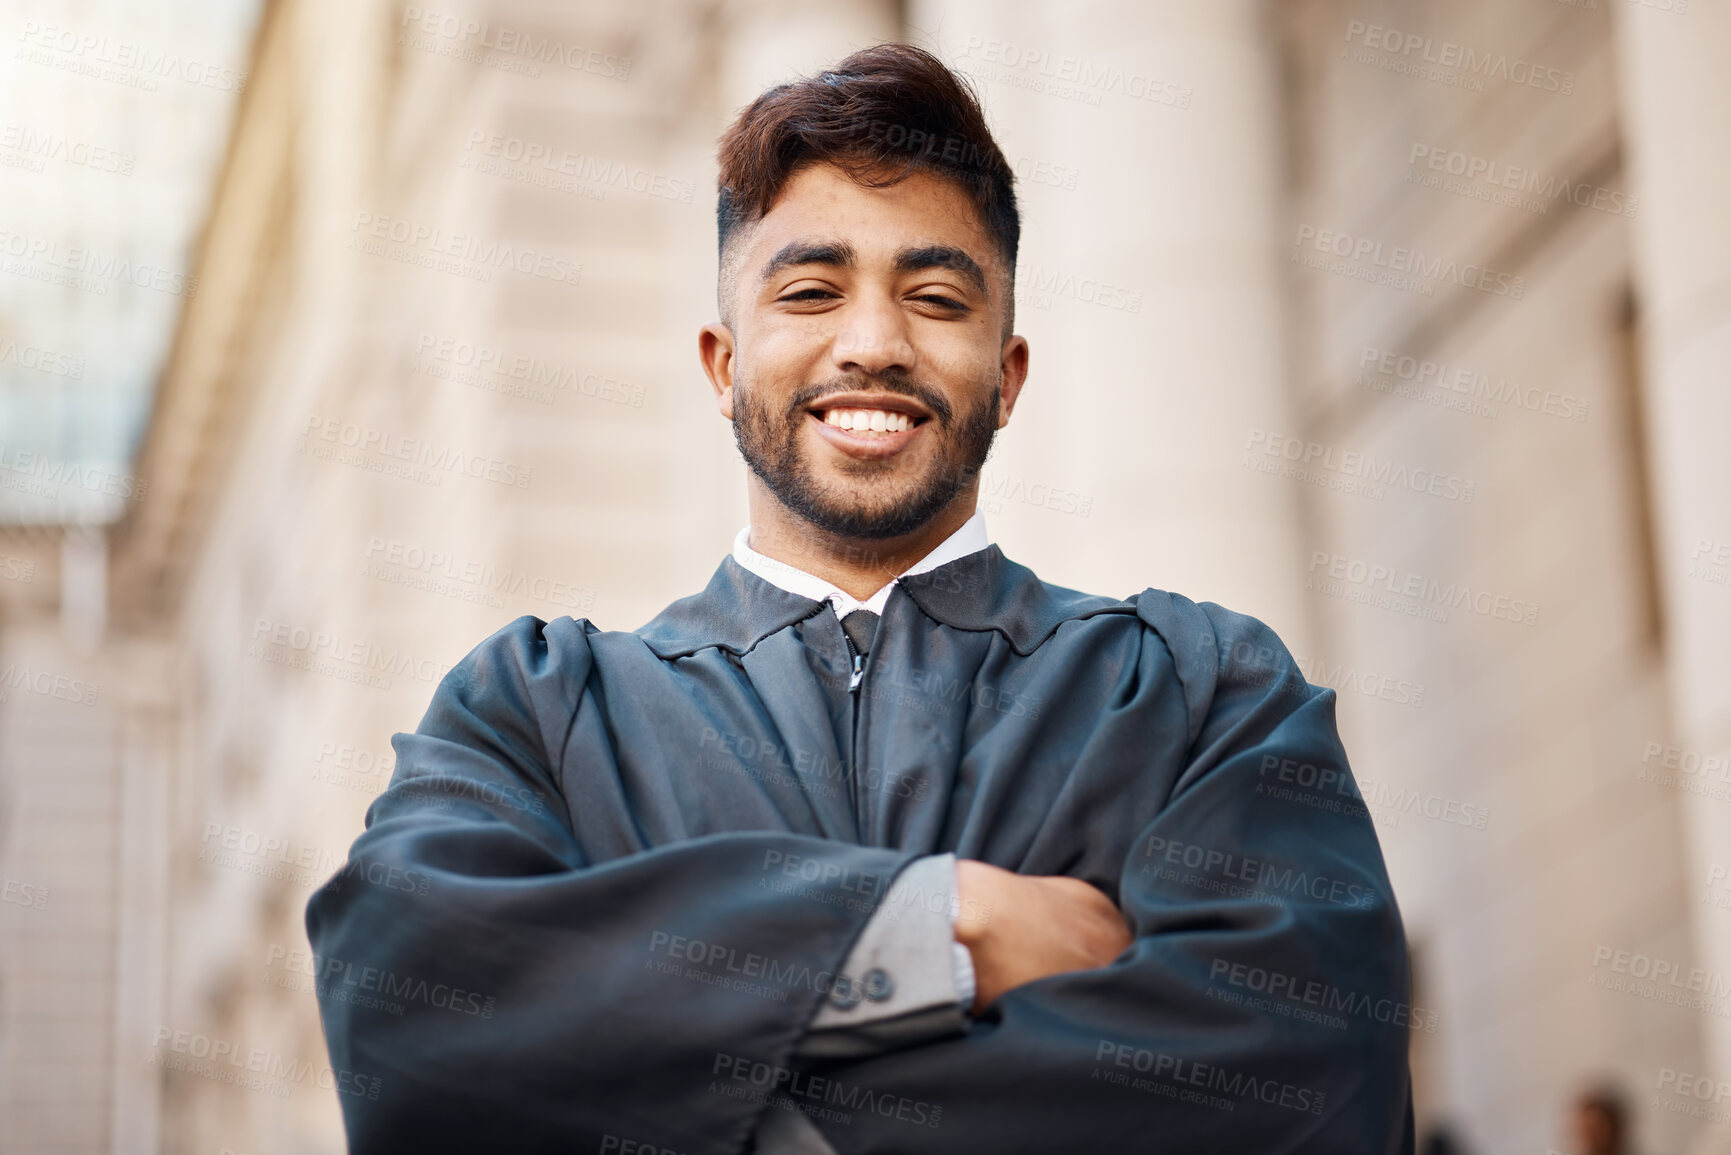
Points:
(858, 567)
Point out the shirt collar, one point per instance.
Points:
(983, 592)
(971, 537)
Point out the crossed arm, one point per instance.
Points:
(586, 1005)
(1020, 928)
(591, 1028)
(944, 926)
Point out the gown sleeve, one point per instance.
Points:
(485, 987)
(1263, 1004)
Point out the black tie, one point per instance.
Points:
(859, 627)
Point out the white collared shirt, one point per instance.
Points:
(971, 537)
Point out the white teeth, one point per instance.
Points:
(862, 420)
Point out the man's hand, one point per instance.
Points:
(1031, 926)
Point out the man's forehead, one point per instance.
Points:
(822, 207)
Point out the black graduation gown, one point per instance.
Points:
(614, 873)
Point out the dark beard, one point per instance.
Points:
(770, 445)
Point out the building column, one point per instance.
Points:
(1676, 112)
(1147, 144)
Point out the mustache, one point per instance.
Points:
(895, 380)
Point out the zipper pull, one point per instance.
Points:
(858, 673)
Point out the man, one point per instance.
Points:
(1599, 1122)
(878, 843)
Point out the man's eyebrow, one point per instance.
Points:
(836, 254)
(942, 257)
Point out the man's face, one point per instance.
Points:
(868, 369)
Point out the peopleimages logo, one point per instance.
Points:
(1686, 771)
(271, 637)
(461, 254)
(471, 363)
(1175, 1069)
(1451, 62)
(255, 1068)
(1342, 676)
(1325, 996)
(1494, 174)
(1693, 1086)
(35, 146)
(42, 360)
(741, 1077)
(476, 39)
(1366, 258)
(1423, 373)
(23, 894)
(1654, 970)
(1348, 471)
(93, 271)
(1040, 286)
(51, 477)
(48, 684)
(125, 62)
(1709, 561)
(1263, 876)
(1411, 593)
(381, 451)
(1069, 77)
(581, 167)
(408, 564)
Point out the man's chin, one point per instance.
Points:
(870, 517)
(849, 497)
(876, 533)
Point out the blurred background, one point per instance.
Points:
(333, 336)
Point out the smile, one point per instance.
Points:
(869, 424)
(867, 421)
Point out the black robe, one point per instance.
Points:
(614, 873)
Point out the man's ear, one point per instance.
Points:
(1013, 365)
(715, 350)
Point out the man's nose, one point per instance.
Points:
(874, 338)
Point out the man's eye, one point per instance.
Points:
(942, 302)
(807, 295)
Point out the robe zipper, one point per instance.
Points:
(853, 727)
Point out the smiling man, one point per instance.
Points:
(878, 843)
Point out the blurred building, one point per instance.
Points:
(1398, 325)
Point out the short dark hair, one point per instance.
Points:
(879, 115)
